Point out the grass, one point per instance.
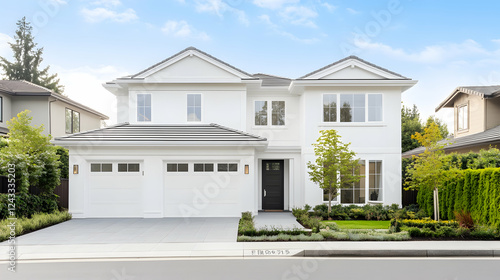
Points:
(355, 224)
(36, 222)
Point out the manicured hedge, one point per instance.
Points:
(28, 204)
(475, 191)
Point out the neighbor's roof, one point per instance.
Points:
(490, 136)
(272, 80)
(162, 134)
(24, 88)
(356, 58)
(481, 91)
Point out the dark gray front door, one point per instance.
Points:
(272, 184)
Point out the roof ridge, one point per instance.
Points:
(93, 130)
(38, 86)
(238, 131)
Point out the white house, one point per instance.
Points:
(198, 137)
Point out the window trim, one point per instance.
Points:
(466, 105)
(366, 122)
(137, 107)
(368, 187)
(72, 112)
(100, 168)
(177, 167)
(201, 107)
(269, 114)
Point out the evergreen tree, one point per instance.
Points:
(27, 60)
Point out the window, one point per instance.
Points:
(463, 117)
(143, 107)
(260, 112)
(354, 192)
(227, 167)
(352, 108)
(194, 107)
(101, 167)
(374, 107)
(375, 180)
(128, 167)
(203, 167)
(325, 196)
(72, 121)
(1, 109)
(278, 114)
(330, 108)
(177, 167)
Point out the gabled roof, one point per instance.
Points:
(25, 88)
(180, 53)
(487, 137)
(353, 57)
(272, 80)
(481, 91)
(162, 134)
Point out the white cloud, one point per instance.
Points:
(353, 12)
(101, 14)
(299, 15)
(274, 4)
(107, 3)
(496, 41)
(329, 7)
(276, 29)
(219, 7)
(60, 2)
(183, 29)
(5, 50)
(430, 54)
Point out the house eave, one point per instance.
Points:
(300, 84)
(74, 143)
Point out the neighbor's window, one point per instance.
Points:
(203, 167)
(330, 108)
(143, 107)
(375, 180)
(278, 113)
(227, 167)
(463, 117)
(177, 167)
(260, 112)
(194, 107)
(128, 167)
(374, 107)
(72, 121)
(101, 167)
(1, 109)
(352, 107)
(355, 192)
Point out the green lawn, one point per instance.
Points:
(351, 224)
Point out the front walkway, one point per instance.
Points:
(280, 220)
(135, 230)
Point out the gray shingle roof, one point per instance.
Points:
(490, 136)
(271, 80)
(133, 133)
(357, 58)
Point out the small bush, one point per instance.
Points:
(28, 204)
(246, 225)
(464, 219)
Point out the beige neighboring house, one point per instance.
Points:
(59, 114)
(476, 119)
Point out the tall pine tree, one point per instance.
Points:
(27, 60)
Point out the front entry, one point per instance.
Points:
(273, 185)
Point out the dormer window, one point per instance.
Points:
(194, 107)
(463, 117)
(143, 107)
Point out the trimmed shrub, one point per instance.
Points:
(36, 222)
(26, 205)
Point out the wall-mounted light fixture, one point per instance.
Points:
(75, 168)
(247, 169)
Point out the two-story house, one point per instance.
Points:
(199, 137)
(58, 114)
(476, 117)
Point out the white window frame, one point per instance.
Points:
(201, 107)
(72, 128)
(1, 109)
(368, 187)
(339, 123)
(269, 114)
(465, 117)
(368, 108)
(137, 107)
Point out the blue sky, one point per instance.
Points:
(443, 44)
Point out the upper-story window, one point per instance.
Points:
(194, 107)
(277, 113)
(352, 107)
(1, 109)
(463, 117)
(143, 107)
(72, 121)
(260, 112)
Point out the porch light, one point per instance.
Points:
(75, 168)
(246, 169)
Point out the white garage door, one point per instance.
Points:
(115, 189)
(202, 189)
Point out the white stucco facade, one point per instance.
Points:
(229, 97)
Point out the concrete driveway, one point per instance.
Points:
(131, 230)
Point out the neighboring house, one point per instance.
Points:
(57, 113)
(476, 120)
(198, 137)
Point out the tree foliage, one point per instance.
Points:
(27, 60)
(335, 164)
(35, 159)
